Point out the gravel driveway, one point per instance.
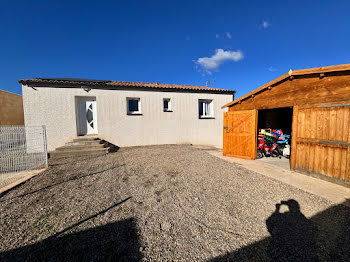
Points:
(166, 203)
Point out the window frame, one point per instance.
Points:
(211, 108)
(169, 109)
(139, 112)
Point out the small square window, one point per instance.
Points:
(166, 105)
(133, 106)
(205, 108)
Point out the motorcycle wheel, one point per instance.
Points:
(259, 154)
(275, 154)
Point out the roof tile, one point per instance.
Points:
(111, 84)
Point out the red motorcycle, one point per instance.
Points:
(263, 149)
(274, 150)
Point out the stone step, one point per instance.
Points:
(78, 153)
(85, 143)
(85, 138)
(80, 147)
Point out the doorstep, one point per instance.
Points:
(333, 192)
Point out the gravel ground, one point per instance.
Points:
(166, 203)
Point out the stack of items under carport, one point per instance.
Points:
(272, 142)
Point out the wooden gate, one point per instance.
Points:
(239, 136)
(321, 141)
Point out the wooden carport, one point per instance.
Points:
(320, 98)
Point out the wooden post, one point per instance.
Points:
(256, 133)
(293, 148)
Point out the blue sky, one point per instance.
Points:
(238, 44)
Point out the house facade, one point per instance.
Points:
(125, 113)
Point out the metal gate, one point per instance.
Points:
(22, 148)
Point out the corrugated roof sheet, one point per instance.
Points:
(74, 82)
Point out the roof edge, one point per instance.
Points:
(299, 72)
(43, 82)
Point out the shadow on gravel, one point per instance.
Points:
(59, 183)
(118, 241)
(324, 237)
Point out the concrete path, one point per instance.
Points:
(267, 167)
(10, 180)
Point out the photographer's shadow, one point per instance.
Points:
(293, 236)
(323, 237)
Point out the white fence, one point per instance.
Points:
(22, 148)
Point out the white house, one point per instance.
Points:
(125, 113)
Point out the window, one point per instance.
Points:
(133, 106)
(166, 105)
(205, 108)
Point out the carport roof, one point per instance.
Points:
(291, 73)
(78, 82)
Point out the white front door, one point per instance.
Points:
(87, 116)
(91, 117)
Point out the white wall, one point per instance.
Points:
(55, 108)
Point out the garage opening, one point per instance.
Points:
(274, 136)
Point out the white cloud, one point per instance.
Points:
(265, 24)
(272, 69)
(217, 35)
(221, 56)
(228, 34)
